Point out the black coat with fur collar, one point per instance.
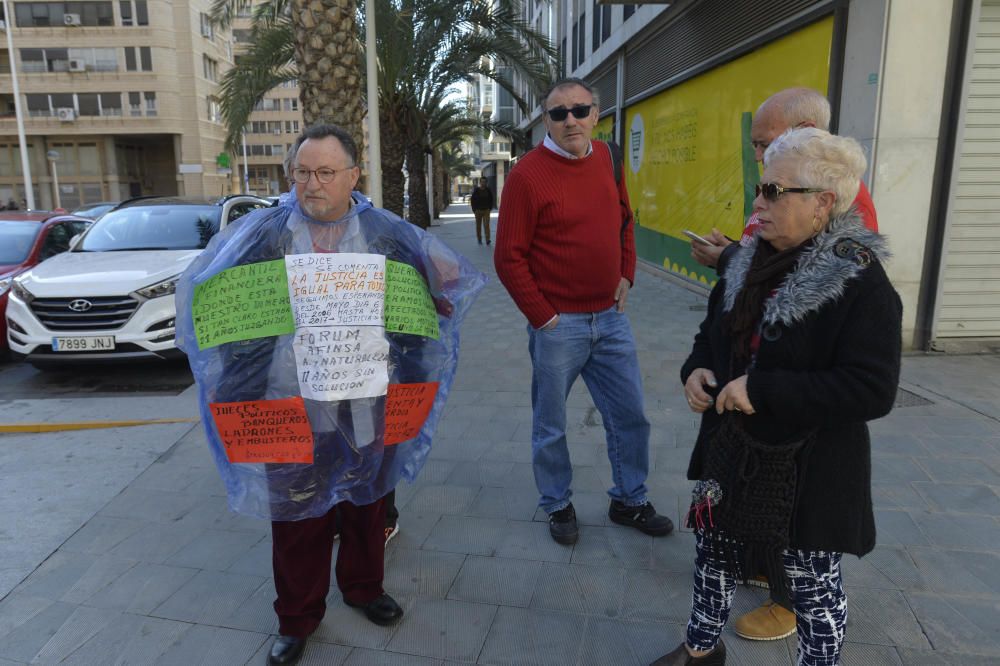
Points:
(828, 361)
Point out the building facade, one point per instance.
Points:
(274, 125)
(491, 153)
(915, 81)
(124, 92)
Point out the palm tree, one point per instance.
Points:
(432, 46)
(454, 162)
(313, 41)
(446, 123)
(425, 48)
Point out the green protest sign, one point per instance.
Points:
(242, 303)
(408, 304)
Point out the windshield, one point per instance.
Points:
(93, 212)
(16, 239)
(153, 228)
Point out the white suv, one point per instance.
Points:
(111, 297)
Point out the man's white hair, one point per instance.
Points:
(821, 160)
(799, 106)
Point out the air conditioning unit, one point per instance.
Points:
(71, 19)
(277, 130)
(76, 65)
(66, 114)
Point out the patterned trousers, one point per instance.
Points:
(817, 595)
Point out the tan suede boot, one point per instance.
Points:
(769, 622)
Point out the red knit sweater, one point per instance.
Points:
(560, 246)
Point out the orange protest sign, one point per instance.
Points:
(264, 431)
(406, 409)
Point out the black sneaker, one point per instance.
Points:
(644, 518)
(562, 526)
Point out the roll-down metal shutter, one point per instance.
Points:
(707, 31)
(969, 303)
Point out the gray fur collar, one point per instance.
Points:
(821, 273)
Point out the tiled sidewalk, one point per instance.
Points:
(163, 574)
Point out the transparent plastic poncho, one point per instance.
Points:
(276, 391)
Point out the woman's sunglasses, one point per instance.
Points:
(579, 112)
(772, 191)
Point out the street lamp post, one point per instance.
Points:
(53, 156)
(29, 192)
(374, 137)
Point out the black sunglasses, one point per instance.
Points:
(580, 111)
(772, 191)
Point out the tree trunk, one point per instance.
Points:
(419, 214)
(393, 154)
(440, 191)
(328, 56)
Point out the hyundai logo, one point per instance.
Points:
(80, 305)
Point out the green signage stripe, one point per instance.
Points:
(751, 175)
(659, 248)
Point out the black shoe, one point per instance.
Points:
(562, 526)
(286, 650)
(382, 610)
(681, 657)
(644, 518)
(480, 241)
(487, 242)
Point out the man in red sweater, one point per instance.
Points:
(566, 254)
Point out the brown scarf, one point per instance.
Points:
(767, 269)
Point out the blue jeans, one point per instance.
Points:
(599, 346)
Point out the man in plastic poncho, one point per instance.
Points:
(353, 462)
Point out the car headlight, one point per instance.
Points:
(159, 289)
(5, 285)
(21, 291)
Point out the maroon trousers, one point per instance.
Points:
(301, 557)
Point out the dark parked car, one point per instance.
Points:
(25, 240)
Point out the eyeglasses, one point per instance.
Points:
(324, 175)
(772, 191)
(580, 111)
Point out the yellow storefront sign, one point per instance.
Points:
(689, 164)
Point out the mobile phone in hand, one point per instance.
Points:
(696, 238)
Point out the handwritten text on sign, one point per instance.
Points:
(408, 304)
(341, 362)
(406, 409)
(264, 431)
(242, 303)
(336, 288)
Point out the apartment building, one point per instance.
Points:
(125, 92)
(272, 129)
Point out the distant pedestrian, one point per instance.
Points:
(799, 349)
(483, 203)
(11, 204)
(566, 253)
